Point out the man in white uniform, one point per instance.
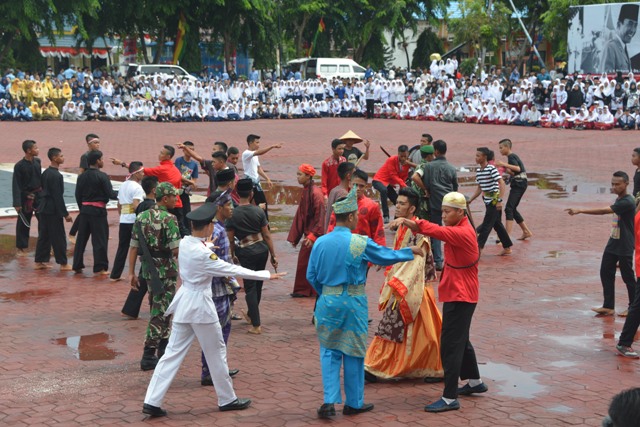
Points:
(195, 315)
(129, 197)
(253, 170)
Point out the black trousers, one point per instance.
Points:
(51, 235)
(259, 197)
(134, 300)
(22, 231)
(370, 104)
(608, 277)
(492, 220)
(97, 228)
(124, 239)
(386, 193)
(457, 353)
(253, 288)
(179, 217)
(632, 321)
(186, 208)
(515, 195)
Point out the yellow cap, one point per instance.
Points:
(455, 200)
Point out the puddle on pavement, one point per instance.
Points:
(554, 254)
(27, 295)
(512, 382)
(90, 347)
(579, 341)
(551, 181)
(8, 245)
(280, 223)
(562, 364)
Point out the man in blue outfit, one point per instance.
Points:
(341, 314)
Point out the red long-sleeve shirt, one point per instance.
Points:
(391, 173)
(459, 281)
(369, 221)
(330, 178)
(167, 172)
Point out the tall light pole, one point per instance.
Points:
(280, 58)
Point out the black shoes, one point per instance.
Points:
(432, 380)
(369, 377)
(236, 405)
(326, 411)
(208, 381)
(348, 410)
(153, 411)
(467, 390)
(149, 359)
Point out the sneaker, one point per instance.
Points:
(467, 390)
(442, 406)
(625, 351)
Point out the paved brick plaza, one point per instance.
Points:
(546, 358)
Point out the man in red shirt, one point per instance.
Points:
(166, 171)
(458, 290)
(394, 171)
(369, 216)
(330, 178)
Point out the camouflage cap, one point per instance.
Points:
(166, 189)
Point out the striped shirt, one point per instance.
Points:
(488, 179)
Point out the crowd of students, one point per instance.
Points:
(440, 93)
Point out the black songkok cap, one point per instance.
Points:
(224, 176)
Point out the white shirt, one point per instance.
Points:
(193, 302)
(129, 191)
(250, 165)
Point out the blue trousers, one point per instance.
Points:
(331, 361)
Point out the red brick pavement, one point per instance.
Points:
(547, 360)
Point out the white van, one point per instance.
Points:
(166, 71)
(327, 68)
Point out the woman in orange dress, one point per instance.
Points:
(407, 342)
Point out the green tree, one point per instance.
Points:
(428, 42)
(26, 20)
(482, 25)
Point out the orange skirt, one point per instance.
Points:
(419, 355)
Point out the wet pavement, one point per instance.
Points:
(68, 358)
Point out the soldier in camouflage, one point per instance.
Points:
(162, 234)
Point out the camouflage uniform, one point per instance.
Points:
(162, 234)
(423, 206)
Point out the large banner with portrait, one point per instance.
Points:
(602, 38)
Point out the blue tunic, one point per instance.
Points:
(338, 263)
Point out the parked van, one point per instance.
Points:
(165, 70)
(327, 68)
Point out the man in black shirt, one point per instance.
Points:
(26, 188)
(619, 249)
(52, 211)
(518, 182)
(93, 192)
(93, 144)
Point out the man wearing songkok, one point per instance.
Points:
(195, 316)
(337, 271)
(250, 228)
(458, 290)
(407, 342)
(308, 225)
